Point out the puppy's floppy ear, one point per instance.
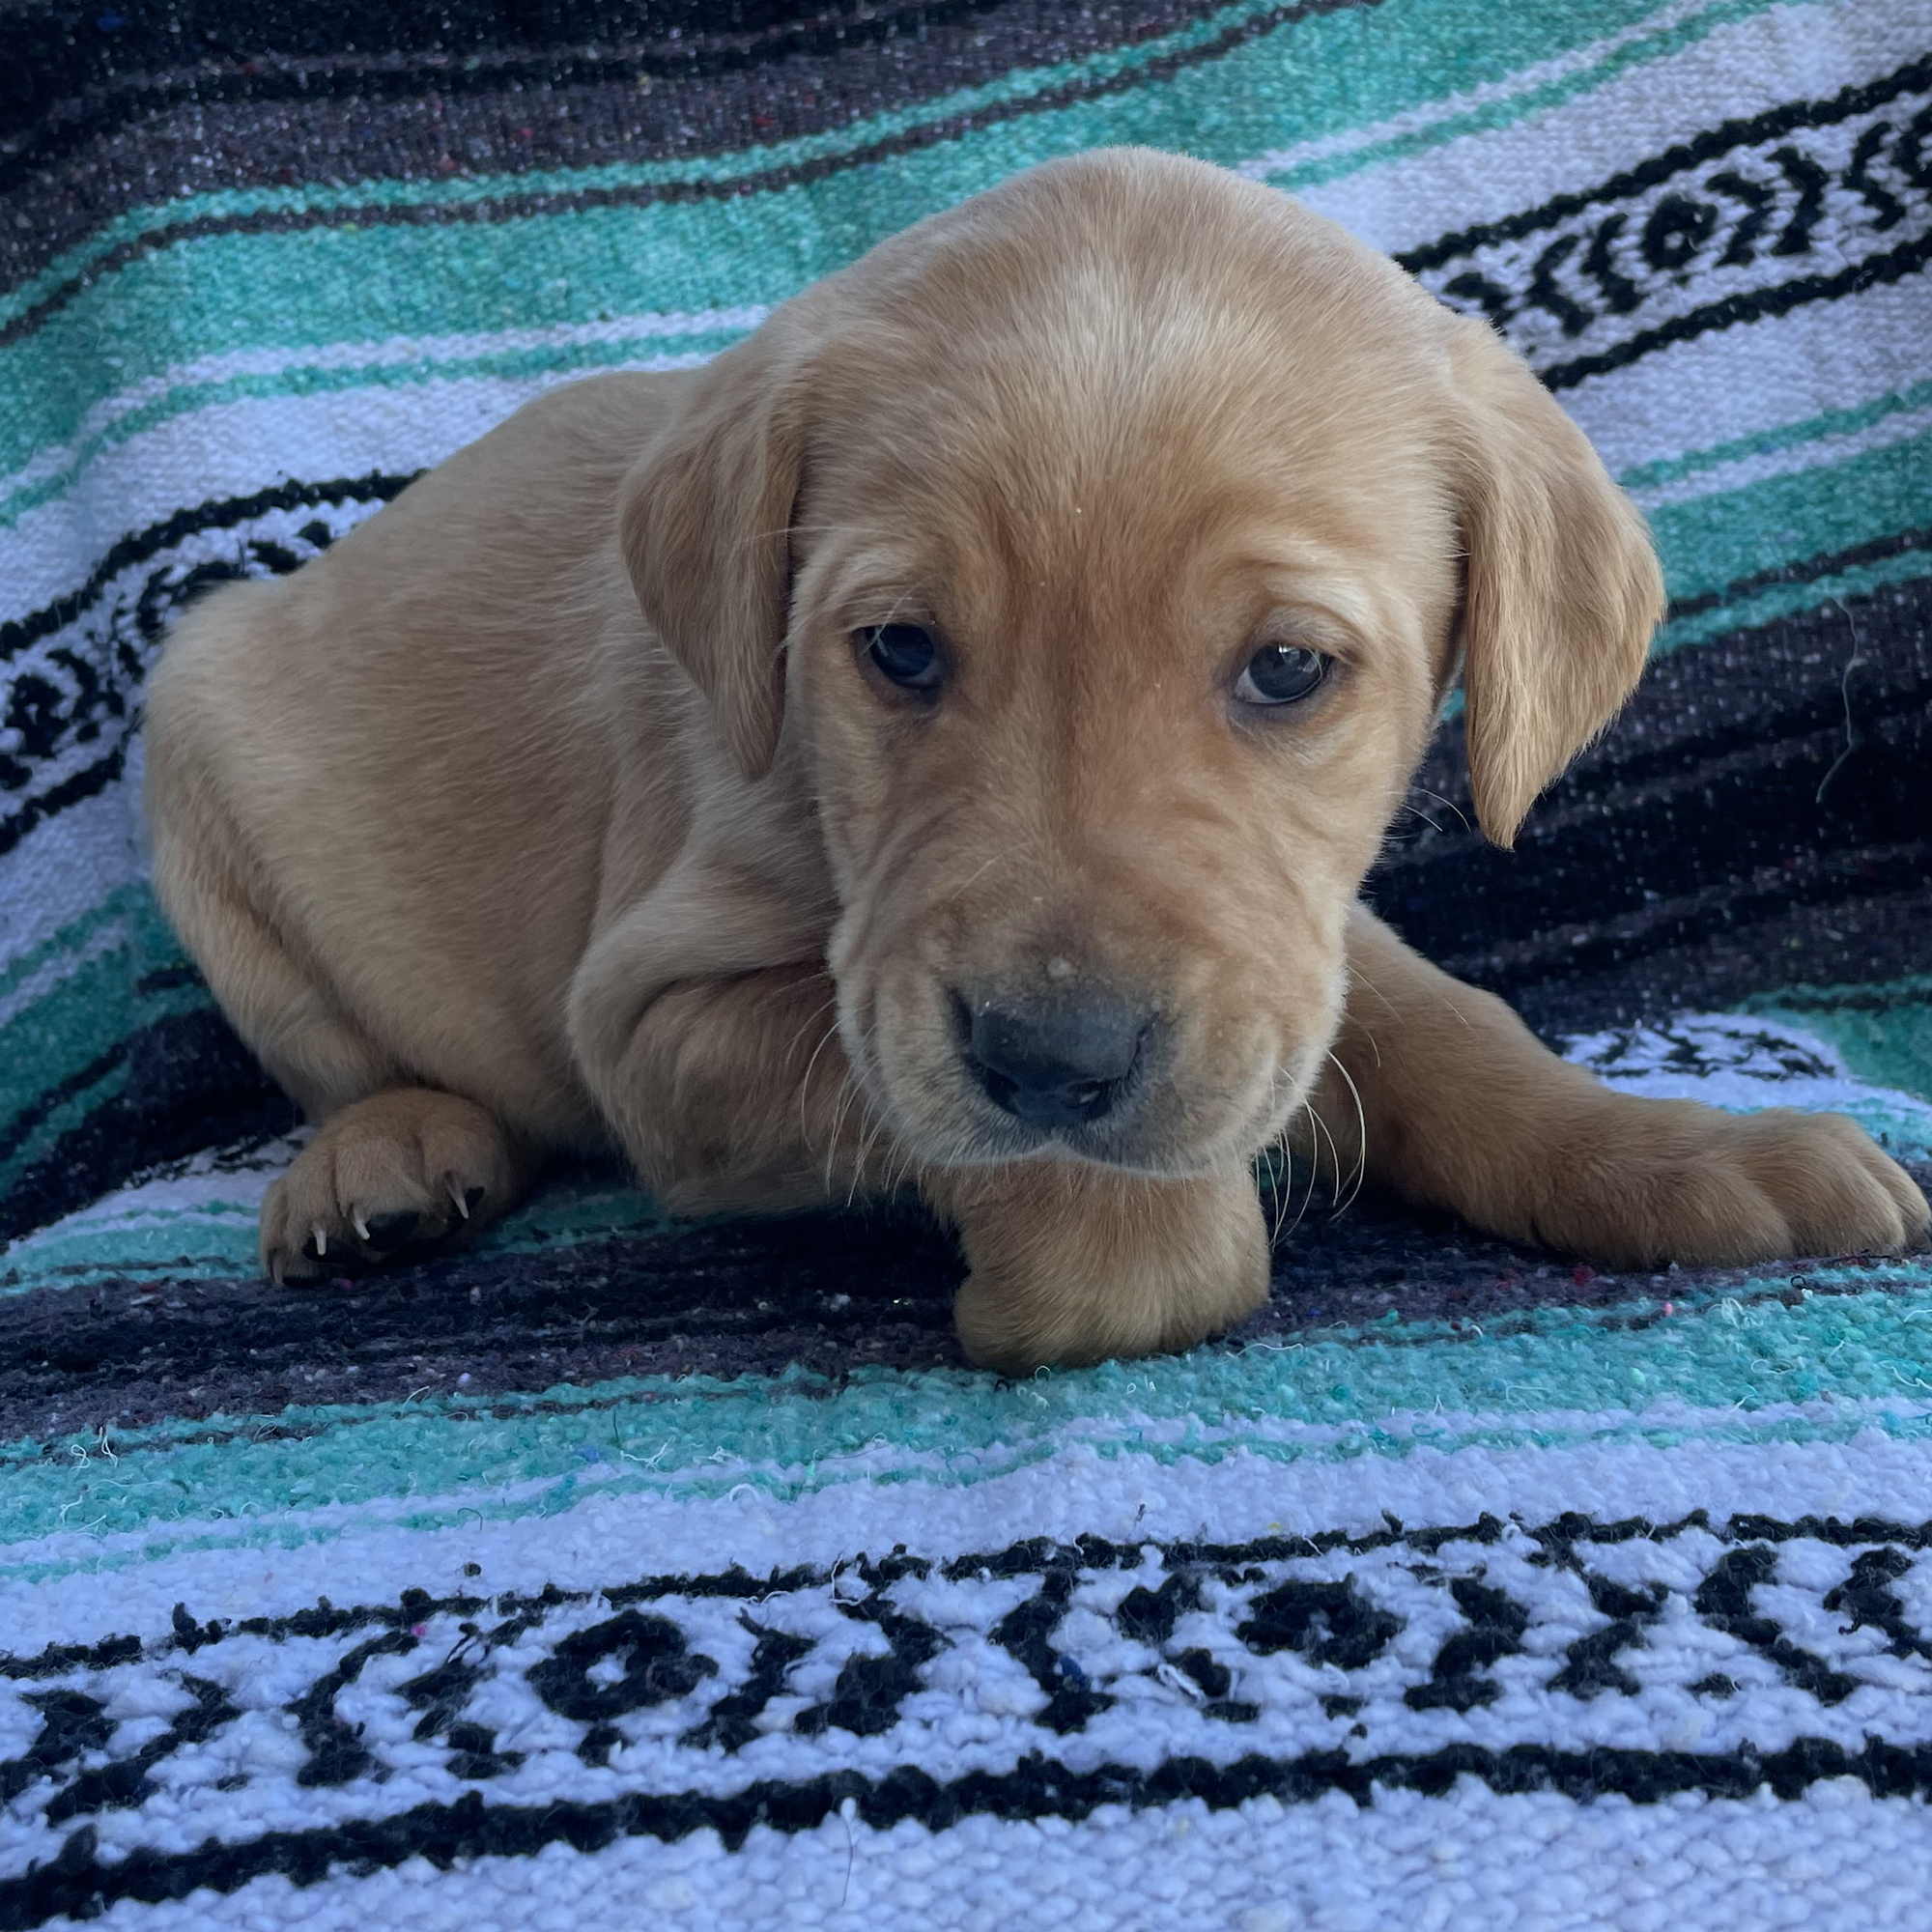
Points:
(1563, 588)
(703, 523)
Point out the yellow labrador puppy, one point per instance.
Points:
(939, 744)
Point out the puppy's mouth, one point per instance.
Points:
(987, 1079)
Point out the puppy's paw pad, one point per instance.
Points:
(387, 1231)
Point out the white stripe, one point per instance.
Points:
(109, 936)
(977, 1707)
(400, 352)
(1736, 71)
(1834, 1860)
(57, 875)
(1742, 1062)
(237, 448)
(1815, 454)
(375, 1553)
(1430, 114)
(1737, 383)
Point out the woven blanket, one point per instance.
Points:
(622, 1572)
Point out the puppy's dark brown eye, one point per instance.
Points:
(903, 653)
(1282, 675)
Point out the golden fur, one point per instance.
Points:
(557, 805)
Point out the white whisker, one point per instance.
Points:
(805, 1085)
(1361, 1142)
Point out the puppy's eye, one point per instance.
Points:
(903, 653)
(1282, 675)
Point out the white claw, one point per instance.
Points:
(321, 1240)
(456, 1195)
(360, 1225)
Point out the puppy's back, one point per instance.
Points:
(403, 754)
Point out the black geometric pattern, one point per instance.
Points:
(1554, 1656)
(1811, 201)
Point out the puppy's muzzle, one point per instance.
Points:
(1052, 1065)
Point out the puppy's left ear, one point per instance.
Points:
(703, 522)
(1563, 588)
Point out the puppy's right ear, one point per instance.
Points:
(1563, 586)
(705, 522)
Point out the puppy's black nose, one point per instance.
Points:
(1054, 1065)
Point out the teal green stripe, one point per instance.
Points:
(72, 937)
(1718, 540)
(1722, 539)
(698, 1435)
(565, 1492)
(81, 1017)
(221, 1232)
(83, 1013)
(1883, 1030)
(479, 190)
(219, 294)
(1790, 600)
(1517, 106)
(58, 1121)
(57, 1038)
(1787, 436)
(516, 365)
(1399, 58)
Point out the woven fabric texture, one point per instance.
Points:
(622, 1572)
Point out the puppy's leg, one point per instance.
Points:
(1461, 1107)
(736, 1094)
(392, 1167)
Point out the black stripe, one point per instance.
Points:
(827, 1292)
(1848, 1000)
(1625, 940)
(82, 1884)
(388, 51)
(24, 1124)
(74, 789)
(1807, 570)
(514, 206)
(1905, 260)
(216, 514)
(1719, 140)
(1730, 833)
(190, 1085)
(907, 53)
(1557, 1537)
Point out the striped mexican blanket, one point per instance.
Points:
(620, 1573)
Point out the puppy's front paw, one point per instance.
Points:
(1072, 1264)
(395, 1176)
(1675, 1181)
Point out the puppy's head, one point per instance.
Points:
(1101, 550)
